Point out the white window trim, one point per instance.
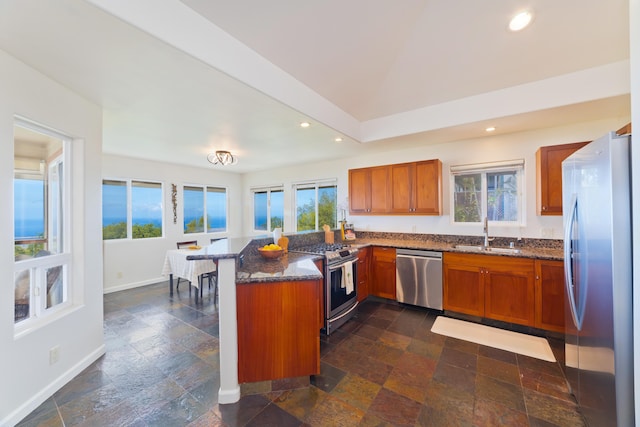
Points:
(484, 168)
(128, 182)
(268, 190)
(311, 184)
(39, 315)
(204, 190)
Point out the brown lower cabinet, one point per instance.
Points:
(364, 263)
(550, 295)
(510, 289)
(278, 334)
(383, 272)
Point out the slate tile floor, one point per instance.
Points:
(384, 368)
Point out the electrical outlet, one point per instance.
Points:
(413, 228)
(54, 355)
(119, 274)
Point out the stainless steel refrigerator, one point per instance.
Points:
(598, 275)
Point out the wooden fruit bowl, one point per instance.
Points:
(271, 254)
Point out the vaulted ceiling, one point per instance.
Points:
(178, 79)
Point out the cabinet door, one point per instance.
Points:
(463, 288)
(402, 186)
(359, 191)
(427, 188)
(509, 289)
(369, 190)
(549, 176)
(364, 260)
(380, 197)
(550, 295)
(383, 272)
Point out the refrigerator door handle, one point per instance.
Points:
(568, 262)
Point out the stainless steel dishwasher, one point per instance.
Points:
(419, 278)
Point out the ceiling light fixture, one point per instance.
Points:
(338, 139)
(222, 157)
(490, 129)
(305, 124)
(520, 21)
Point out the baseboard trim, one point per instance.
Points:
(39, 398)
(126, 286)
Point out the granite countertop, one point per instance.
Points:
(550, 253)
(252, 268)
(289, 267)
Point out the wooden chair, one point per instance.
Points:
(185, 245)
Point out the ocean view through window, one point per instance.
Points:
(131, 208)
(202, 202)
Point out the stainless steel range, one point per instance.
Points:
(340, 282)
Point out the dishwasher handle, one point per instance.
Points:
(418, 253)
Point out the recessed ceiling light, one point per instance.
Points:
(520, 21)
(305, 124)
(490, 129)
(338, 139)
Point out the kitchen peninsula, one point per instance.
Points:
(269, 314)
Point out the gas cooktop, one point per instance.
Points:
(331, 251)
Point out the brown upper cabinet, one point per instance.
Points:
(549, 176)
(624, 130)
(369, 190)
(404, 188)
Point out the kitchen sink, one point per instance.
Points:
(480, 248)
(476, 248)
(504, 250)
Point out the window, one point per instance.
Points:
(131, 208)
(316, 205)
(491, 190)
(202, 202)
(41, 230)
(268, 209)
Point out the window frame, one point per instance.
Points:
(315, 185)
(39, 314)
(205, 190)
(129, 209)
(268, 190)
(517, 166)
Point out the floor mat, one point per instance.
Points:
(494, 337)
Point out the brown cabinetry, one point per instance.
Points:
(404, 188)
(383, 272)
(364, 262)
(416, 188)
(369, 190)
(495, 287)
(550, 295)
(549, 176)
(278, 334)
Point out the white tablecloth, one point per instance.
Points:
(176, 263)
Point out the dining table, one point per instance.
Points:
(177, 264)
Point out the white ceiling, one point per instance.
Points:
(178, 79)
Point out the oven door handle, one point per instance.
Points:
(333, 319)
(341, 264)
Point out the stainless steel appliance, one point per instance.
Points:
(598, 276)
(419, 278)
(340, 282)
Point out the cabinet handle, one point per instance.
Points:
(544, 208)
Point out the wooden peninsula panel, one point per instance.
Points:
(278, 335)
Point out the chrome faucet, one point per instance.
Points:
(487, 239)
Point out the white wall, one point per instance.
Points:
(27, 377)
(132, 263)
(491, 148)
